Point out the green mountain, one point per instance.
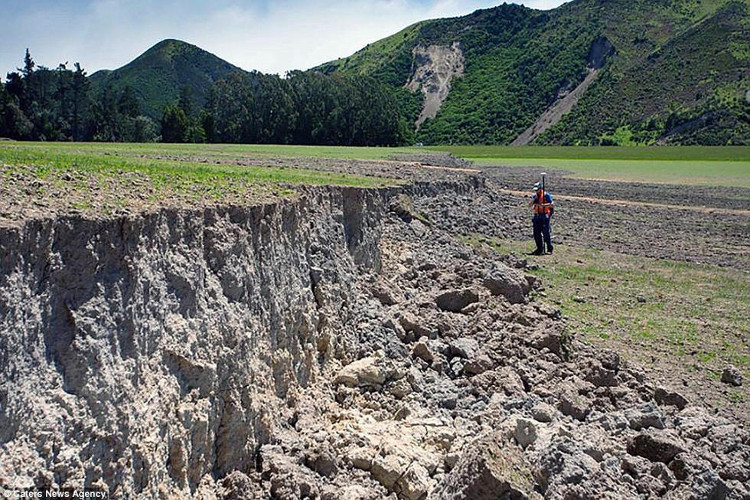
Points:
(588, 72)
(158, 75)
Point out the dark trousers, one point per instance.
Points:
(542, 231)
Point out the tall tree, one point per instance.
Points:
(27, 74)
(174, 124)
(105, 117)
(79, 89)
(128, 104)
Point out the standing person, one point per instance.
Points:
(543, 207)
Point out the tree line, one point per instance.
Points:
(42, 104)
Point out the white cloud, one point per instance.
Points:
(270, 36)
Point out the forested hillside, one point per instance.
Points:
(158, 75)
(176, 92)
(591, 72)
(677, 72)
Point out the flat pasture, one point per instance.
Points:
(707, 166)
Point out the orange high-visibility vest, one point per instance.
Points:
(538, 208)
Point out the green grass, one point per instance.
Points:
(105, 179)
(679, 153)
(689, 313)
(112, 159)
(710, 166)
(223, 150)
(721, 166)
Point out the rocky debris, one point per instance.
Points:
(573, 404)
(646, 416)
(367, 371)
(416, 325)
(386, 292)
(466, 348)
(666, 397)
(490, 468)
(415, 482)
(389, 469)
(456, 300)
(525, 432)
(288, 479)
(323, 365)
(422, 350)
(403, 206)
(656, 446)
(731, 375)
(542, 412)
(502, 280)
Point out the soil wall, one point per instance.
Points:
(157, 351)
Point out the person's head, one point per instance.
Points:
(537, 186)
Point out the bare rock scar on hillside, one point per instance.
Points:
(567, 99)
(433, 70)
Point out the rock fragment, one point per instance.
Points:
(525, 432)
(505, 281)
(643, 417)
(415, 482)
(422, 350)
(657, 446)
(465, 348)
(488, 469)
(365, 371)
(667, 397)
(456, 300)
(731, 375)
(389, 469)
(543, 412)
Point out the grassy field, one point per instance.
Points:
(710, 166)
(681, 153)
(690, 318)
(720, 166)
(112, 159)
(104, 179)
(219, 150)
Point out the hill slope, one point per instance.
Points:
(666, 70)
(158, 75)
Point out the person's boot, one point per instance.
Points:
(538, 251)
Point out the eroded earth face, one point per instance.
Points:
(377, 352)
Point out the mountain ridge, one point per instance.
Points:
(158, 75)
(518, 61)
(666, 71)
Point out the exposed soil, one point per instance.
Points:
(564, 103)
(347, 344)
(433, 70)
(561, 183)
(662, 221)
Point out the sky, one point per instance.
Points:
(264, 35)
